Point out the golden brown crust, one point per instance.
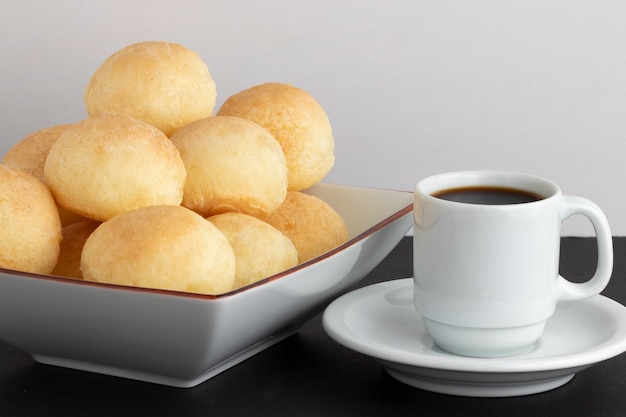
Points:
(260, 250)
(165, 247)
(111, 163)
(30, 224)
(298, 123)
(232, 164)
(30, 153)
(312, 225)
(164, 84)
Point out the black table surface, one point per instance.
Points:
(309, 374)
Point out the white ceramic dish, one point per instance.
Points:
(380, 321)
(182, 339)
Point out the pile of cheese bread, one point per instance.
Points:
(157, 188)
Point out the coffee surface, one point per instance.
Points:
(488, 195)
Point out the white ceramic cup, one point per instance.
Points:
(487, 275)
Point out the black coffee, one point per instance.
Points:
(488, 195)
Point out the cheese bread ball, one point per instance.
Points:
(311, 224)
(29, 155)
(233, 165)
(260, 249)
(298, 123)
(163, 247)
(74, 237)
(161, 83)
(29, 221)
(111, 163)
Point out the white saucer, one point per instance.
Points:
(380, 321)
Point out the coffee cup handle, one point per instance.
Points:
(569, 291)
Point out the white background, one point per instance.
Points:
(412, 88)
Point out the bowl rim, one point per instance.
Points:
(120, 287)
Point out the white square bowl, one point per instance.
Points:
(182, 339)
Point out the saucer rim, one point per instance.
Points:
(335, 326)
